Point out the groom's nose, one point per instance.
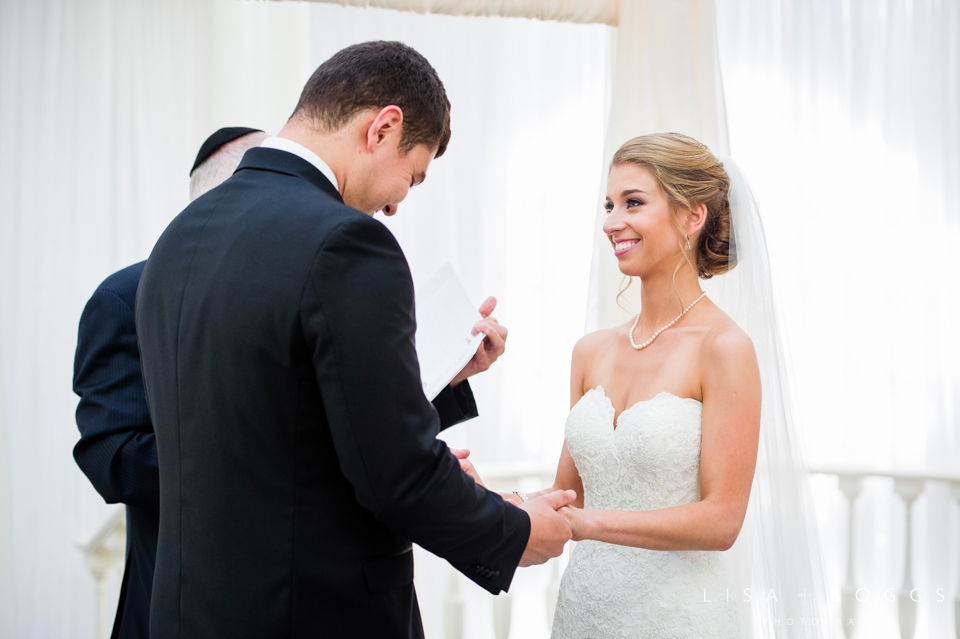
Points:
(390, 209)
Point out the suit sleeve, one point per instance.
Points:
(117, 450)
(455, 405)
(358, 319)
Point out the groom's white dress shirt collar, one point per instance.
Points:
(283, 144)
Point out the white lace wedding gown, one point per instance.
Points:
(651, 460)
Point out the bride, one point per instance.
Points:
(664, 433)
(662, 438)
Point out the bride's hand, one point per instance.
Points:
(577, 520)
(466, 465)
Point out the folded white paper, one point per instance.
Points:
(445, 319)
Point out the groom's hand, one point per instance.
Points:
(466, 465)
(549, 530)
(493, 346)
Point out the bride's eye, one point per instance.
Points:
(608, 207)
(632, 202)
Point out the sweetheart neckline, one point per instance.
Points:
(617, 418)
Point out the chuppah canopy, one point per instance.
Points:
(582, 11)
(663, 75)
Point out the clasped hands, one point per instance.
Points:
(554, 520)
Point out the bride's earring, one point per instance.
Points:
(688, 241)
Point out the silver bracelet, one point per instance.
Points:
(521, 495)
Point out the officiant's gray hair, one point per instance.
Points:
(221, 165)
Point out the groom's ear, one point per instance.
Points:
(384, 128)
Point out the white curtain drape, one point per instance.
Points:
(103, 104)
(665, 76)
(846, 117)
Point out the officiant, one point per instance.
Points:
(117, 449)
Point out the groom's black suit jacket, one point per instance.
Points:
(117, 450)
(298, 454)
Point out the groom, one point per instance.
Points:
(298, 454)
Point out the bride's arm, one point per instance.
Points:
(730, 431)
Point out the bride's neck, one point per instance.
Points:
(659, 299)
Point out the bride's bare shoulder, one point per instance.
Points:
(593, 343)
(587, 352)
(725, 341)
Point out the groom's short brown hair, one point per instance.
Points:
(373, 75)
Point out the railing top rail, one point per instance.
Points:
(909, 475)
(97, 539)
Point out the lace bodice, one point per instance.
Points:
(650, 461)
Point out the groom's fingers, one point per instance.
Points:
(560, 498)
(460, 453)
(487, 307)
(496, 340)
(493, 324)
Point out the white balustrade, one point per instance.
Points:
(908, 486)
(104, 553)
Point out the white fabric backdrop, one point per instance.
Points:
(842, 114)
(845, 116)
(103, 104)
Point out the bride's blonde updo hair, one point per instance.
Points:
(689, 174)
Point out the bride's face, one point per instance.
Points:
(639, 222)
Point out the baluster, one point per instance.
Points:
(501, 615)
(909, 490)
(553, 590)
(850, 487)
(955, 491)
(99, 566)
(104, 554)
(453, 609)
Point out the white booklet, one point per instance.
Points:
(445, 319)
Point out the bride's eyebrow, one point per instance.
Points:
(629, 191)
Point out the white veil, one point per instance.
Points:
(777, 555)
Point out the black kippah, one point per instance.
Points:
(218, 139)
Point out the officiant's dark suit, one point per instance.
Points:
(298, 453)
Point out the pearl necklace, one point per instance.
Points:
(657, 334)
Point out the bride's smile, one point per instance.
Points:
(620, 247)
